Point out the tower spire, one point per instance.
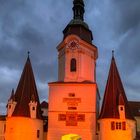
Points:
(25, 91)
(114, 95)
(113, 52)
(77, 26)
(78, 9)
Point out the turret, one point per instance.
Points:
(11, 104)
(121, 107)
(115, 120)
(26, 94)
(33, 107)
(24, 120)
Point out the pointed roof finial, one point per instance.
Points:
(113, 53)
(33, 97)
(28, 53)
(78, 9)
(12, 97)
(13, 90)
(28, 56)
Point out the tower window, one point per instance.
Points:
(121, 108)
(123, 126)
(9, 106)
(71, 94)
(33, 108)
(73, 65)
(38, 133)
(112, 125)
(118, 125)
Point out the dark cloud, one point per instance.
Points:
(36, 26)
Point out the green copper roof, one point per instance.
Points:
(78, 22)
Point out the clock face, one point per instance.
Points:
(73, 44)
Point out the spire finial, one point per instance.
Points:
(12, 97)
(12, 90)
(78, 9)
(113, 53)
(28, 53)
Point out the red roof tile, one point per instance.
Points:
(114, 95)
(25, 92)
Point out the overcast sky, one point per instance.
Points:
(37, 25)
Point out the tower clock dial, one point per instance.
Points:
(73, 45)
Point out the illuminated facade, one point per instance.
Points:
(116, 121)
(2, 127)
(24, 119)
(73, 99)
(73, 112)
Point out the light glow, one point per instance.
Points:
(71, 137)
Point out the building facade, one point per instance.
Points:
(73, 98)
(73, 108)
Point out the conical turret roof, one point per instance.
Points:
(26, 90)
(114, 95)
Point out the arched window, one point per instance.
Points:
(73, 65)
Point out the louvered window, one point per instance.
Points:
(118, 125)
(73, 65)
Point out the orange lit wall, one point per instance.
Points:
(106, 133)
(21, 128)
(85, 55)
(85, 103)
(2, 129)
(73, 99)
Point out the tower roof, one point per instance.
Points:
(114, 95)
(77, 25)
(25, 92)
(78, 9)
(12, 97)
